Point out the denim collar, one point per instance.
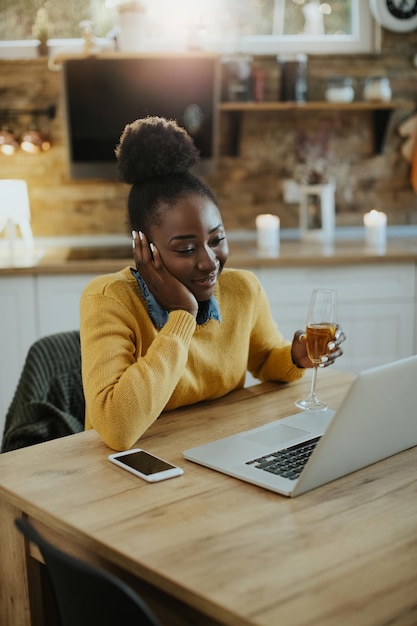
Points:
(206, 310)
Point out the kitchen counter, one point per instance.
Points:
(109, 257)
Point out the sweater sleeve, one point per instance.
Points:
(127, 386)
(270, 353)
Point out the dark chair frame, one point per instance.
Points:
(85, 594)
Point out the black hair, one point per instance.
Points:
(154, 155)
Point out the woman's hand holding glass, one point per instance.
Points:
(299, 349)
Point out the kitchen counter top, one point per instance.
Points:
(106, 258)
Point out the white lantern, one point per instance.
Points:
(317, 212)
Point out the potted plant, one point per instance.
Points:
(312, 170)
(315, 174)
(41, 29)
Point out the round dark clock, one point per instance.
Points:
(396, 15)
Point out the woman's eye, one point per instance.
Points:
(217, 241)
(213, 244)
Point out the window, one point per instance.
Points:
(337, 26)
(225, 26)
(264, 26)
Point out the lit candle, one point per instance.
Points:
(267, 227)
(375, 230)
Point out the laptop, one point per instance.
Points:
(377, 419)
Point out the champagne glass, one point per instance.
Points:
(321, 329)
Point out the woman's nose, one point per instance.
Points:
(207, 260)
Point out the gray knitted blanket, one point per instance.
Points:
(49, 399)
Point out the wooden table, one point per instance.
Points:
(212, 548)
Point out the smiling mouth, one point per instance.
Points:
(207, 281)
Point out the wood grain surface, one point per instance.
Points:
(212, 548)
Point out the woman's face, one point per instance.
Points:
(192, 243)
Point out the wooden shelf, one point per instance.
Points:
(381, 113)
(317, 106)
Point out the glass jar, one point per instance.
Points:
(339, 89)
(238, 75)
(377, 88)
(293, 85)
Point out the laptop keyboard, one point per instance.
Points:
(288, 462)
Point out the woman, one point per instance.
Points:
(178, 328)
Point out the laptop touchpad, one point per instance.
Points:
(277, 434)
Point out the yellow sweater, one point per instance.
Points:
(132, 371)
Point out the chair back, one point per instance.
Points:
(86, 594)
(49, 400)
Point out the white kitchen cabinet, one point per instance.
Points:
(59, 302)
(376, 307)
(19, 327)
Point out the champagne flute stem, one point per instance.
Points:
(313, 385)
(312, 402)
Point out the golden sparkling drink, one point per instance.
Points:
(318, 336)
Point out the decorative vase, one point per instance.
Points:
(43, 49)
(317, 212)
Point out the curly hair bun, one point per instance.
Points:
(152, 147)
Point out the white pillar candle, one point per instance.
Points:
(267, 228)
(375, 230)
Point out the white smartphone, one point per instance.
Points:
(145, 465)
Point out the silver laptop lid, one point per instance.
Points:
(377, 418)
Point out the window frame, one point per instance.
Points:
(362, 41)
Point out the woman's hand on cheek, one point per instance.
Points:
(169, 292)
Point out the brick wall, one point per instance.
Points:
(251, 181)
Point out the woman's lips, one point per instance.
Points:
(207, 281)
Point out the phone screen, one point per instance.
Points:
(145, 463)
